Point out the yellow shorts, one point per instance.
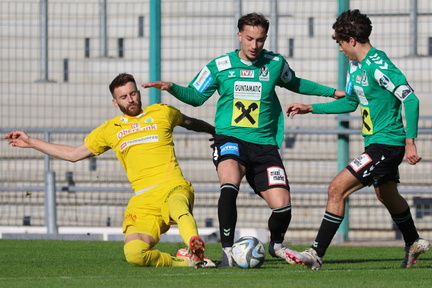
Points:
(148, 213)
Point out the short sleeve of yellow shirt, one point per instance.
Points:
(143, 144)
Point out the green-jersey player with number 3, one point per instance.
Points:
(380, 89)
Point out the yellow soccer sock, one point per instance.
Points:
(139, 253)
(180, 212)
(179, 262)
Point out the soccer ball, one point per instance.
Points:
(248, 252)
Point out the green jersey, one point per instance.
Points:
(380, 88)
(248, 107)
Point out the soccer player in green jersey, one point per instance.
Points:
(142, 140)
(249, 126)
(380, 89)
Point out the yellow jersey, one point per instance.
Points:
(143, 144)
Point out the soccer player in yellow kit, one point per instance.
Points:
(143, 143)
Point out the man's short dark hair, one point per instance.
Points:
(253, 19)
(121, 80)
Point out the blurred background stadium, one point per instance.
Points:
(58, 57)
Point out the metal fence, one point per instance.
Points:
(58, 58)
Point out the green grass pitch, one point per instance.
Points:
(49, 263)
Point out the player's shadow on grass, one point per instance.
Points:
(423, 262)
(420, 259)
(426, 262)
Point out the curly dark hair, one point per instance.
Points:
(352, 23)
(253, 19)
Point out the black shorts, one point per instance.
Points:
(264, 166)
(378, 164)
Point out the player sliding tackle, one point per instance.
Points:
(142, 141)
(380, 89)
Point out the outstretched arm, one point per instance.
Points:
(298, 108)
(197, 125)
(64, 152)
(308, 87)
(161, 85)
(187, 95)
(338, 94)
(345, 105)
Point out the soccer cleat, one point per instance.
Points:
(279, 253)
(226, 258)
(307, 258)
(184, 253)
(197, 248)
(206, 263)
(412, 252)
(195, 252)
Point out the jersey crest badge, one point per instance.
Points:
(264, 74)
(364, 80)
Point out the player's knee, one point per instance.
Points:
(179, 200)
(382, 200)
(179, 206)
(135, 252)
(335, 194)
